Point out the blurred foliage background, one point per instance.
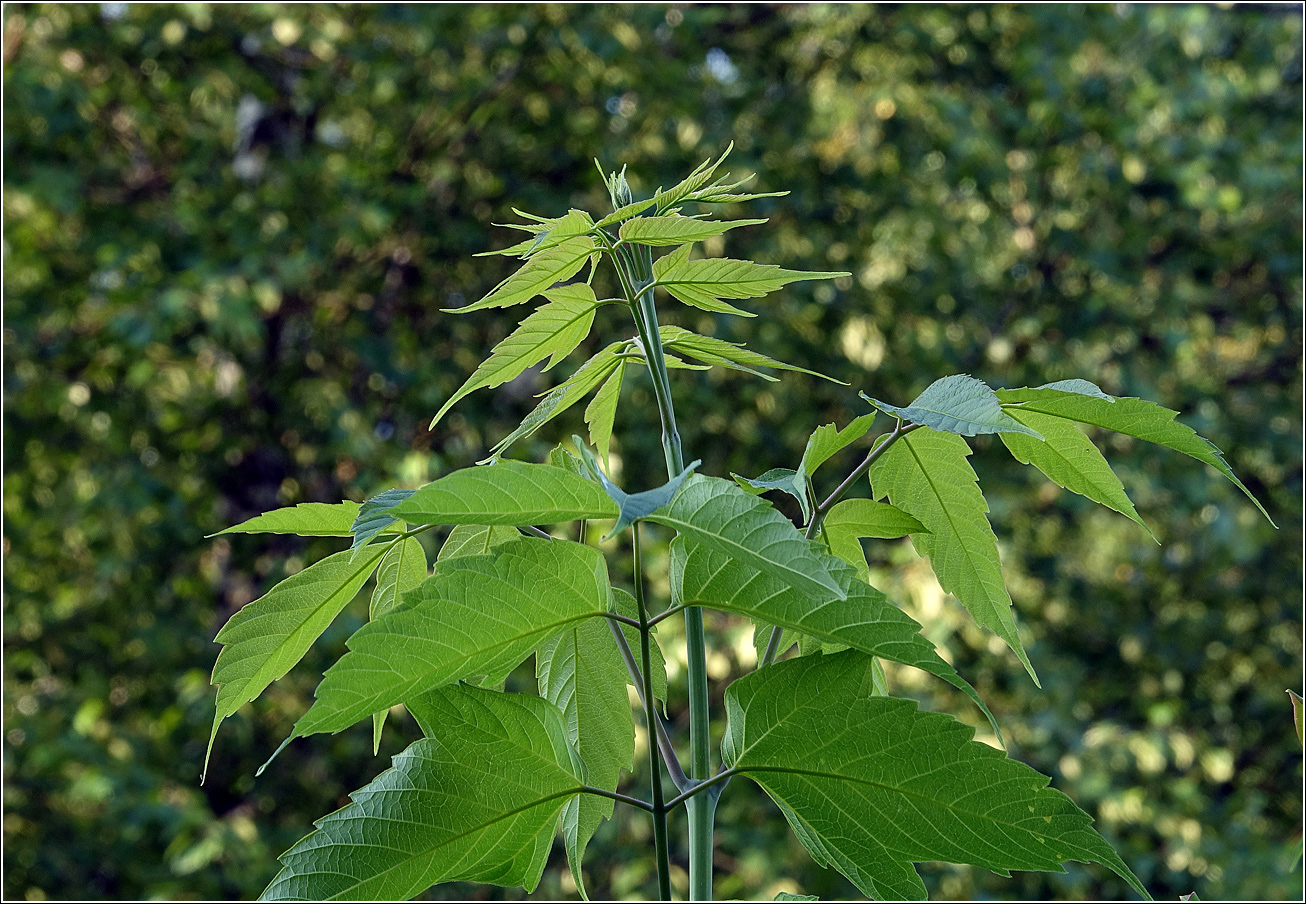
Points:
(229, 229)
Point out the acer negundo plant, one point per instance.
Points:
(869, 783)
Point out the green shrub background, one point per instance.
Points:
(228, 232)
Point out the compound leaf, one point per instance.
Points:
(552, 331)
(1132, 417)
(308, 519)
(727, 354)
(927, 476)
(703, 283)
(1070, 460)
(510, 493)
(581, 672)
(477, 615)
(958, 404)
(721, 516)
(541, 270)
(264, 640)
(477, 800)
(676, 230)
(911, 786)
(564, 395)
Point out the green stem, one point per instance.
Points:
(655, 763)
(700, 809)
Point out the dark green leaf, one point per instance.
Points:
(910, 786)
(478, 800)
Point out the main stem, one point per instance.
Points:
(700, 808)
(655, 763)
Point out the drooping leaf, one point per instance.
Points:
(510, 493)
(375, 515)
(308, 519)
(910, 786)
(552, 331)
(926, 475)
(827, 441)
(626, 605)
(477, 800)
(475, 540)
(1132, 417)
(477, 615)
(850, 520)
(264, 640)
(703, 283)
(676, 230)
(727, 354)
(542, 270)
(602, 411)
(784, 479)
(564, 395)
(581, 672)
(1069, 459)
(721, 516)
(863, 619)
(632, 506)
(401, 569)
(958, 404)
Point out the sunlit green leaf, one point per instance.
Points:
(264, 640)
(564, 395)
(850, 520)
(676, 230)
(727, 354)
(602, 411)
(508, 493)
(582, 673)
(926, 475)
(542, 270)
(703, 283)
(475, 540)
(827, 441)
(401, 569)
(477, 615)
(308, 519)
(1070, 460)
(552, 331)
